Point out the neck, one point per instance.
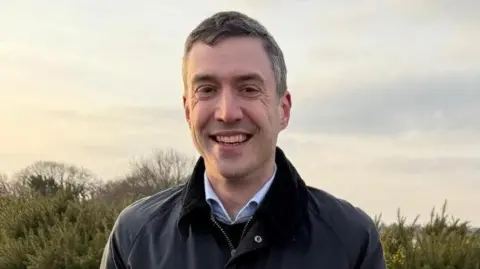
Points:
(234, 193)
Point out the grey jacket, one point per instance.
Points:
(296, 226)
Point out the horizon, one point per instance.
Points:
(385, 96)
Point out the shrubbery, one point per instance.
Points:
(443, 243)
(57, 231)
(53, 217)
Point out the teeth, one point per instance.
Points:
(232, 139)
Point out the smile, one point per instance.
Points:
(231, 139)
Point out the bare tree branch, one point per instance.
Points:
(55, 174)
(5, 188)
(166, 168)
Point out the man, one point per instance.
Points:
(245, 205)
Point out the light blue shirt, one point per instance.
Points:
(245, 213)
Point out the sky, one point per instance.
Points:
(386, 94)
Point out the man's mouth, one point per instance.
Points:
(231, 139)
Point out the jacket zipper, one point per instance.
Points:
(230, 244)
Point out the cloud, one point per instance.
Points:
(440, 164)
(358, 43)
(102, 139)
(464, 9)
(446, 103)
(121, 116)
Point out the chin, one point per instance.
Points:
(231, 162)
(232, 169)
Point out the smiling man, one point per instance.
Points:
(245, 205)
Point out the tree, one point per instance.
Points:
(5, 187)
(46, 178)
(166, 168)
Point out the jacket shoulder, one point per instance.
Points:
(131, 220)
(335, 210)
(351, 225)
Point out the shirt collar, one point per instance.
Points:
(245, 213)
(282, 214)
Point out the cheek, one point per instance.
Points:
(199, 116)
(275, 119)
(266, 119)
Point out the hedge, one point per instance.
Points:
(62, 231)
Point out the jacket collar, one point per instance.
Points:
(282, 211)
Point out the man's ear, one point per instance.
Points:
(186, 108)
(285, 107)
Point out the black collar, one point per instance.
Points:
(282, 211)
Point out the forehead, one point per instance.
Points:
(229, 59)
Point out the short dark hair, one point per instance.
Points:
(225, 24)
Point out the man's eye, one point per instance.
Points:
(204, 91)
(250, 91)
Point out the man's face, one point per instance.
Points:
(232, 107)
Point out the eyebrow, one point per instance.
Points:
(241, 78)
(250, 76)
(203, 78)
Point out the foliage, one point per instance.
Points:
(46, 178)
(4, 185)
(444, 242)
(54, 217)
(166, 168)
(56, 231)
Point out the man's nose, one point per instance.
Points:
(228, 108)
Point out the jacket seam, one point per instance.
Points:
(152, 218)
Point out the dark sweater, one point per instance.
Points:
(234, 232)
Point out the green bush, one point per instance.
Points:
(443, 243)
(53, 217)
(62, 231)
(53, 232)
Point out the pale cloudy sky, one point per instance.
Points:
(386, 94)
